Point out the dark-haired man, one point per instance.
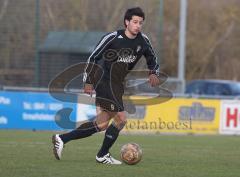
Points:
(116, 53)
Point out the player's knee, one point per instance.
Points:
(102, 126)
(120, 120)
(102, 120)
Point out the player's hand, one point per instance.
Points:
(88, 88)
(154, 80)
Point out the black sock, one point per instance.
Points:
(111, 136)
(83, 131)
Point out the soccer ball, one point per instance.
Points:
(131, 153)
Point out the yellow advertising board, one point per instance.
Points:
(178, 115)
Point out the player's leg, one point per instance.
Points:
(103, 118)
(84, 130)
(111, 136)
(88, 128)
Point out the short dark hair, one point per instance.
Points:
(136, 11)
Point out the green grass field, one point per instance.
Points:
(29, 154)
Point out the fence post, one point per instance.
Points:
(161, 14)
(37, 41)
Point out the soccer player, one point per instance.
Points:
(116, 53)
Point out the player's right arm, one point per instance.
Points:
(96, 55)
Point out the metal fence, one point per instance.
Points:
(28, 26)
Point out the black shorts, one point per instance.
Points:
(109, 96)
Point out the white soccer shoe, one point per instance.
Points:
(57, 146)
(108, 159)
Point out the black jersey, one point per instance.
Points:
(117, 55)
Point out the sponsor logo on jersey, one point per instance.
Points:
(127, 59)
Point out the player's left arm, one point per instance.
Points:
(152, 64)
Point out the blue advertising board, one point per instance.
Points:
(35, 111)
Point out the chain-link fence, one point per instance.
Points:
(41, 38)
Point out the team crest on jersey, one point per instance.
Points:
(138, 48)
